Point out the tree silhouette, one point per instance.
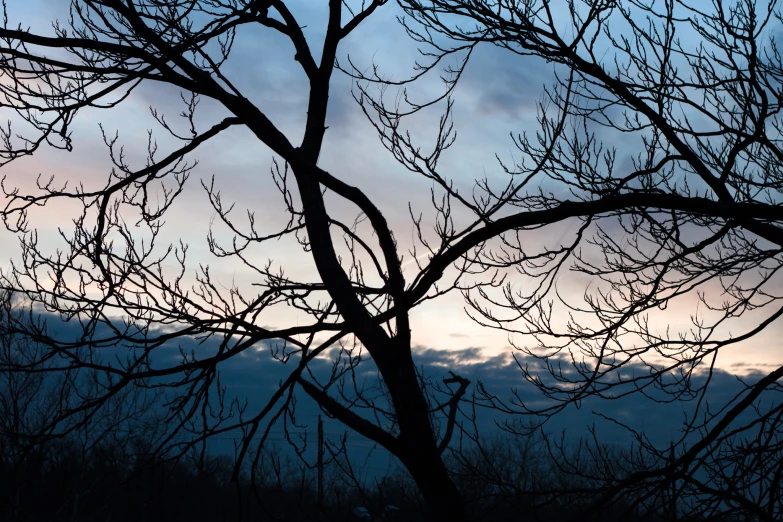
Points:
(662, 135)
(696, 213)
(112, 277)
(46, 437)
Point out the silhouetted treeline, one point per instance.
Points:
(64, 481)
(67, 482)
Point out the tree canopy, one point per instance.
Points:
(658, 141)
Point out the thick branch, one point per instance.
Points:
(749, 215)
(453, 405)
(351, 419)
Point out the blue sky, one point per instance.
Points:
(497, 96)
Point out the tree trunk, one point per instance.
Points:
(418, 449)
(416, 445)
(441, 497)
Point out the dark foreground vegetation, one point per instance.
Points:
(68, 482)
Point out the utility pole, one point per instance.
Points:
(320, 465)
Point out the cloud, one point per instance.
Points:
(503, 85)
(253, 376)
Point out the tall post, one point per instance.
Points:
(320, 464)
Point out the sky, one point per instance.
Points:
(497, 96)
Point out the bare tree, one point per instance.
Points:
(696, 213)
(112, 278)
(685, 215)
